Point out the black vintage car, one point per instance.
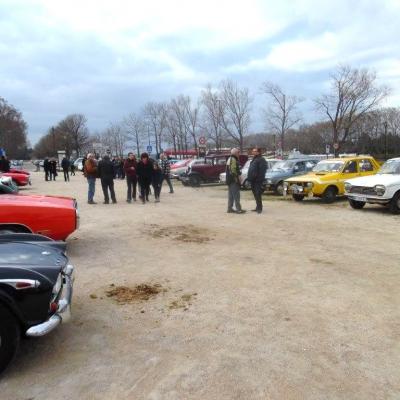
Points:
(35, 289)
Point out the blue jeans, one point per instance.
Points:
(92, 186)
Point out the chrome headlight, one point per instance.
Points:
(310, 185)
(380, 190)
(347, 187)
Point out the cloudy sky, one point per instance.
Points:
(107, 58)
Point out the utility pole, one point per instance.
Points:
(54, 140)
(385, 124)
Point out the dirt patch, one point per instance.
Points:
(184, 302)
(126, 295)
(180, 233)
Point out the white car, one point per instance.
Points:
(382, 188)
(244, 183)
(177, 172)
(79, 164)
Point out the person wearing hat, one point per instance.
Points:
(145, 176)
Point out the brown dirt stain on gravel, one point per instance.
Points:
(185, 301)
(138, 293)
(180, 233)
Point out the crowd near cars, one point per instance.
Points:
(36, 277)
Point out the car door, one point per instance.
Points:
(366, 167)
(299, 168)
(349, 171)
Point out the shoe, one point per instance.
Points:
(259, 211)
(240, 211)
(255, 210)
(147, 198)
(106, 202)
(231, 211)
(92, 202)
(114, 201)
(134, 199)
(171, 191)
(129, 201)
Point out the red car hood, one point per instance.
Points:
(20, 171)
(36, 199)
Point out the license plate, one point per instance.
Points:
(361, 198)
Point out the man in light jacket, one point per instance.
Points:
(232, 180)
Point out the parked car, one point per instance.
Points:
(194, 161)
(382, 188)
(19, 178)
(209, 171)
(328, 177)
(282, 170)
(36, 282)
(179, 168)
(7, 185)
(78, 163)
(53, 216)
(245, 184)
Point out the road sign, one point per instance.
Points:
(336, 145)
(202, 140)
(328, 149)
(149, 149)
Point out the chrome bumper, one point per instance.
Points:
(63, 313)
(368, 199)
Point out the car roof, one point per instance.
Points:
(349, 158)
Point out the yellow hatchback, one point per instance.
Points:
(327, 178)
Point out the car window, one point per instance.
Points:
(221, 161)
(365, 165)
(310, 165)
(300, 166)
(351, 167)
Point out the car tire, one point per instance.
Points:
(298, 197)
(329, 195)
(394, 204)
(358, 205)
(279, 188)
(10, 335)
(195, 181)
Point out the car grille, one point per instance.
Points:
(362, 190)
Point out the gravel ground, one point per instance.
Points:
(179, 300)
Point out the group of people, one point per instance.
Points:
(146, 172)
(255, 175)
(50, 169)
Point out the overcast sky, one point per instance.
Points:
(106, 59)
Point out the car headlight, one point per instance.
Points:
(347, 187)
(269, 181)
(310, 185)
(285, 185)
(380, 190)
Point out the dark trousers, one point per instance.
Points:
(157, 189)
(108, 184)
(47, 175)
(66, 175)
(144, 190)
(256, 188)
(168, 180)
(73, 170)
(131, 182)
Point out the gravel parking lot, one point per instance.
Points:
(179, 300)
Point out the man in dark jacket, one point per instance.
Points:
(232, 180)
(105, 170)
(130, 167)
(4, 164)
(145, 176)
(256, 176)
(65, 168)
(46, 168)
(53, 169)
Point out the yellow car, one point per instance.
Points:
(327, 178)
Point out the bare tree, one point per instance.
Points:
(191, 119)
(75, 131)
(115, 138)
(212, 116)
(178, 116)
(281, 113)
(236, 107)
(354, 92)
(155, 116)
(135, 128)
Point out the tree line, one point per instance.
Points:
(352, 120)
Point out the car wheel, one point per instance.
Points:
(10, 336)
(298, 197)
(195, 180)
(358, 205)
(329, 195)
(395, 204)
(246, 185)
(279, 189)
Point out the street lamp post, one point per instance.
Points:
(385, 124)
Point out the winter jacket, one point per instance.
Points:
(232, 170)
(90, 168)
(165, 167)
(65, 164)
(105, 169)
(157, 177)
(128, 164)
(257, 169)
(145, 171)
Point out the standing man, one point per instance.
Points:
(232, 179)
(46, 168)
(90, 172)
(105, 171)
(256, 175)
(166, 170)
(53, 169)
(130, 166)
(145, 176)
(65, 168)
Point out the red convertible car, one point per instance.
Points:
(19, 177)
(53, 216)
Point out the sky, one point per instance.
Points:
(106, 59)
